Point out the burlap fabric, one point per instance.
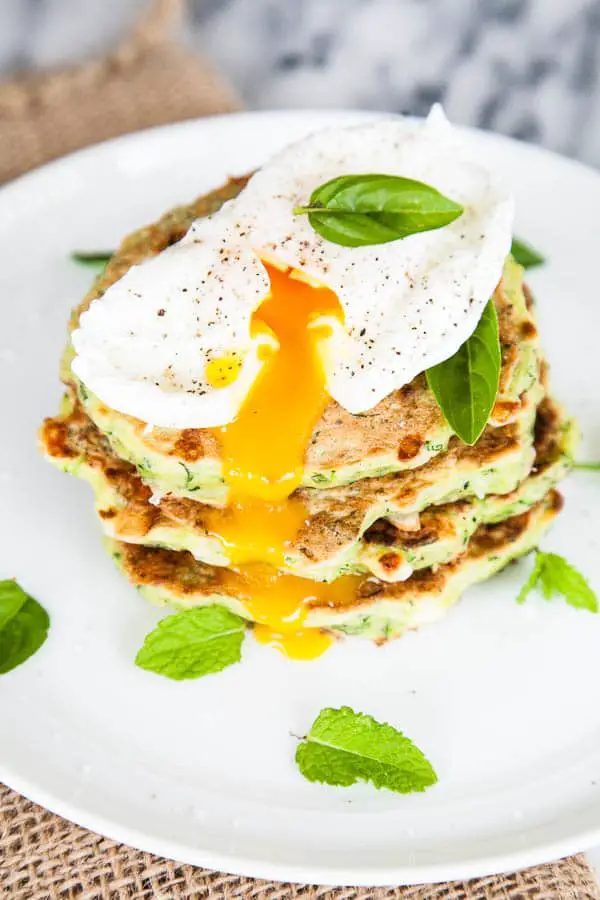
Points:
(43, 857)
(151, 80)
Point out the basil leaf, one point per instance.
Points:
(360, 210)
(525, 255)
(24, 626)
(193, 643)
(97, 260)
(466, 385)
(12, 598)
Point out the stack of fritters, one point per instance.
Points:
(391, 495)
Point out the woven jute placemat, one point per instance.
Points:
(44, 857)
(151, 80)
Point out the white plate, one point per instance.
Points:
(505, 700)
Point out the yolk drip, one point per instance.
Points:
(254, 530)
(301, 644)
(279, 603)
(263, 449)
(263, 452)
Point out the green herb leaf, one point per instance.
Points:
(534, 577)
(12, 598)
(24, 626)
(525, 255)
(96, 260)
(193, 643)
(587, 466)
(554, 575)
(466, 385)
(359, 210)
(344, 747)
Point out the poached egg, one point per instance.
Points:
(152, 345)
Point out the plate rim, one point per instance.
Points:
(16, 184)
(534, 854)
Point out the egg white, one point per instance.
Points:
(408, 304)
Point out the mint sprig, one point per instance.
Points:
(193, 643)
(554, 575)
(343, 747)
(24, 626)
(361, 210)
(465, 386)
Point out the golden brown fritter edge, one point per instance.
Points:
(339, 438)
(335, 516)
(181, 575)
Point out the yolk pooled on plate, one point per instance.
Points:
(263, 459)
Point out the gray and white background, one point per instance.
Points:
(527, 68)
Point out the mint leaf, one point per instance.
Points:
(554, 575)
(344, 747)
(193, 643)
(24, 626)
(361, 210)
(534, 577)
(466, 385)
(525, 255)
(560, 577)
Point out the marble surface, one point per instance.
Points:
(527, 68)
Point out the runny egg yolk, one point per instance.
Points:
(263, 449)
(279, 603)
(263, 455)
(223, 370)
